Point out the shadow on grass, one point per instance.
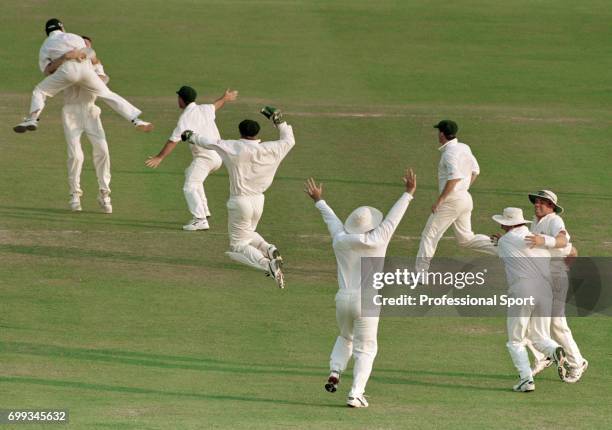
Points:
(79, 253)
(148, 391)
(85, 218)
(211, 365)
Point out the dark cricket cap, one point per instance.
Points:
(447, 127)
(188, 94)
(53, 24)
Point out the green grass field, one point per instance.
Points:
(131, 323)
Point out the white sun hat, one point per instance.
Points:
(548, 195)
(511, 216)
(363, 219)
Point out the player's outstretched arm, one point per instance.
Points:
(228, 96)
(315, 192)
(154, 162)
(383, 233)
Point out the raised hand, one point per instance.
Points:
(313, 190)
(409, 180)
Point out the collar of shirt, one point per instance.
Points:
(537, 221)
(190, 105)
(55, 33)
(447, 144)
(250, 140)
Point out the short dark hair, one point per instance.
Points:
(86, 38)
(248, 128)
(448, 128)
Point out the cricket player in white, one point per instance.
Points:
(201, 120)
(457, 171)
(69, 51)
(251, 165)
(528, 276)
(80, 114)
(549, 232)
(364, 234)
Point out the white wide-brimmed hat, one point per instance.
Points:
(548, 195)
(511, 216)
(363, 219)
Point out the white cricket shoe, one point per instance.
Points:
(276, 272)
(524, 386)
(357, 402)
(28, 124)
(196, 224)
(75, 202)
(561, 361)
(104, 201)
(539, 366)
(142, 125)
(575, 373)
(333, 381)
(273, 253)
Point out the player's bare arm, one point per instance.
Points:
(154, 161)
(228, 96)
(560, 241)
(473, 178)
(448, 188)
(70, 55)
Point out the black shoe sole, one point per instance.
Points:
(23, 129)
(332, 384)
(331, 388)
(561, 361)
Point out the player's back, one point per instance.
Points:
(251, 164)
(457, 161)
(200, 119)
(56, 45)
(520, 260)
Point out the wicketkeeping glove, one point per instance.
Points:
(186, 135)
(273, 114)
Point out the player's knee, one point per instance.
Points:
(369, 347)
(76, 157)
(190, 187)
(237, 247)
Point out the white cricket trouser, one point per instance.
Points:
(246, 245)
(456, 210)
(83, 75)
(79, 118)
(559, 330)
(357, 337)
(195, 175)
(538, 326)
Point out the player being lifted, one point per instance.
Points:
(201, 120)
(67, 54)
(251, 165)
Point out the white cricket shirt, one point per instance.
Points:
(350, 248)
(201, 120)
(251, 165)
(520, 260)
(56, 45)
(457, 162)
(551, 225)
